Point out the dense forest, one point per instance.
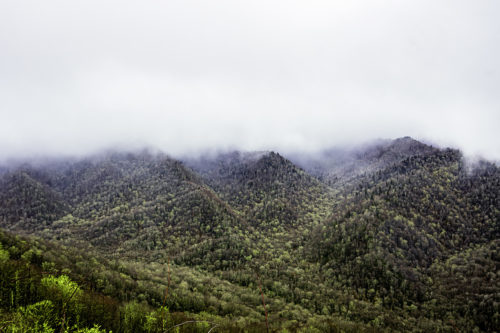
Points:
(394, 236)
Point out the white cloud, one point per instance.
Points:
(189, 75)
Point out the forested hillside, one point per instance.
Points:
(397, 236)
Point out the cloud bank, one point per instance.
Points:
(189, 75)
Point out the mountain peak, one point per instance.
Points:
(392, 151)
(272, 159)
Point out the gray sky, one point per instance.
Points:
(76, 76)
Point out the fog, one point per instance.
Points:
(187, 76)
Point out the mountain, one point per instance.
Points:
(127, 204)
(262, 186)
(342, 165)
(27, 203)
(395, 235)
(402, 219)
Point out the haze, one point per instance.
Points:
(184, 76)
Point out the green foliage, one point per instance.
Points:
(95, 329)
(4, 255)
(38, 317)
(61, 288)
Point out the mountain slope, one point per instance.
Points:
(383, 238)
(263, 186)
(129, 205)
(28, 204)
(339, 166)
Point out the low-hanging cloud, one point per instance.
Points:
(184, 76)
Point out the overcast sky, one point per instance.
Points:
(78, 76)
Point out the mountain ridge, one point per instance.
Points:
(364, 236)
